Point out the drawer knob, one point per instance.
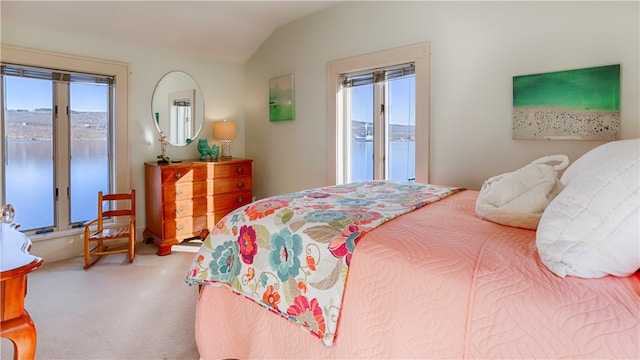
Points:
(179, 210)
(180, 227)
(239, 199)
(178, 175)
(240, 169)
(179, 192)
(240, 184)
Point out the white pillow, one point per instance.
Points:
(595, 155)
(592, 228)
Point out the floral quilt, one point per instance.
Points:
(291, 253)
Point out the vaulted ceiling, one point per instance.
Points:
(221, 30)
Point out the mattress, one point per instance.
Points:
(439, 282)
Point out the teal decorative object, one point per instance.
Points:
(205, 150)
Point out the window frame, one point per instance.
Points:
(120, 71)
(381, 116)
(336, 152)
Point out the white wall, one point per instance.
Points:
(477, 48)
(222, 85)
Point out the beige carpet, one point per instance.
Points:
(115, 310)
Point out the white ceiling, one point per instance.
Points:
(221, 30)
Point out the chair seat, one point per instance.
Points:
(112, 233)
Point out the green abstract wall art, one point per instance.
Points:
(281, 98)
(582, 104)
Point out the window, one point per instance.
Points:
(378, 116)
(60, 130)
(55, 122)
(379, 123)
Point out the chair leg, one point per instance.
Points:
(98, 251)
(22, 333)
(87, 251)
(132, 249)
(90, 264)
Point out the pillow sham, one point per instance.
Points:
(595, 155)
(592, 228)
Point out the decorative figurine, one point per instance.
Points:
(163, 147)
(204, 149)
(7, 212)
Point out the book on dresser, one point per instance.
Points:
(185, 200)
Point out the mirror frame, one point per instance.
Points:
(181, 87)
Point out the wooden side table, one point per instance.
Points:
(16, 263)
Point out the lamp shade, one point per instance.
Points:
(224, 130)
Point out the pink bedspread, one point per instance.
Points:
(482, 293)
(291, 253)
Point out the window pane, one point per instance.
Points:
(29, 184)
(361, 124)
(89, 118)
(402, 140)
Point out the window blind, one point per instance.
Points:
(377, 75)
(55, 75)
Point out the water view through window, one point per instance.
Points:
(399, 127)
(33, 171)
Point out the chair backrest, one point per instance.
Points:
(116, 205)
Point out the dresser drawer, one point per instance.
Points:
(184, 191)
(183, 174)
(183, 228)
(185, 208)
(222, 170)
(221, 186)
(229, 201)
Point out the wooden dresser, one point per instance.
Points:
(184, 199)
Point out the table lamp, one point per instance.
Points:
(224, 131)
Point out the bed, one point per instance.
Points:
(437, 281)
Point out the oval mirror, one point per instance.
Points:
(177, 108)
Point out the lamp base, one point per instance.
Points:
(225, 150)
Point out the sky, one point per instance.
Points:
(29, 94)
(400, 107)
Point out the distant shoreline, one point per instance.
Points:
(37, 125)
(535, 123)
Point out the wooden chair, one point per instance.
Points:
(104, 239)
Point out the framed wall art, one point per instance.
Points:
(581, 104)
(281, 98)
